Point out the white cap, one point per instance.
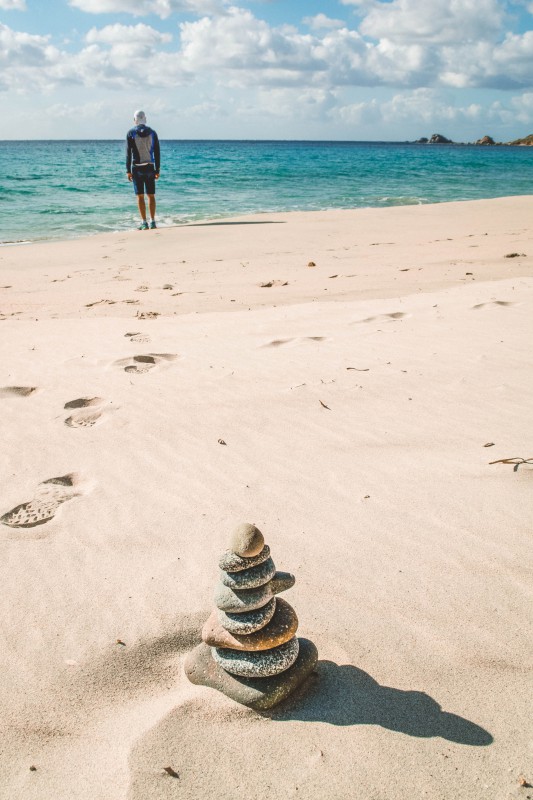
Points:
(139, 118)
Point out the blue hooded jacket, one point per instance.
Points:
(142, 147)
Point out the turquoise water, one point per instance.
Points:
(57, 190)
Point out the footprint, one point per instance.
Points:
(385, 317)
(149, 314)
(138, 337)
(84, 418)
(42, 508)
(277, 342)
(84, 402)
(18, 391)
(99, 302)
(144, 363)
(494, 303)
(269, 284)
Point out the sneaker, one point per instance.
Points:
(153, 225)
(143, 226)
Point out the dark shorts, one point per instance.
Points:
(143, 179)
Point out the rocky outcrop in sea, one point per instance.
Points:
(436, 138)
(486, 141)
(249, 649)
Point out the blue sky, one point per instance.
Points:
(319, 69)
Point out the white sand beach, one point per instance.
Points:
(181, 381)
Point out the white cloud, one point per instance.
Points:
(13, 5)
(139, 8)
(114, 58)
(84, 111)
(364, 4)
(432, 20)
(428, 106)
(513, 59)
(506, 65)
(241, 50)
(422, 106)
(357, 114)
(207, 110)
(19, 50)
(297, 103)
(239, 42)
(128, 34)
(237, 50)
(323, 22)
(522, 107)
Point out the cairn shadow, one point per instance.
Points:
(346, 695)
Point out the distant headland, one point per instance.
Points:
(438, 138)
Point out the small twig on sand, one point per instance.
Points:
(516, 461)
(171, 772)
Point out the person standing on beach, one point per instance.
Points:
(142, 165)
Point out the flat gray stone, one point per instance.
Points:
(281, 582)
(231, 562)
(233, 602)
(250, 622)
(258, 664)
(258, 693)
(249, 578)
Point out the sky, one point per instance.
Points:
(390, 70)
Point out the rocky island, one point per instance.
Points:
(438, 138)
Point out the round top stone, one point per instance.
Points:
(246, 540)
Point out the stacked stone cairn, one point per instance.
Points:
(249, 650)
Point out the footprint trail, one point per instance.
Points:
(144, 363)
(17, 391)
(92, 412)
(49, 496)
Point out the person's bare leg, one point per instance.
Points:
(151, 201)
(142, 206)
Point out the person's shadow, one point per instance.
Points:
(345, 695)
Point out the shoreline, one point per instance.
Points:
(238, 217)
(342, 379)
(513, 143)
(224, 179)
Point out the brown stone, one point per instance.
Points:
(258, 693)
(246, 540)
(279, 630)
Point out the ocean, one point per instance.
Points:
(66, 189)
